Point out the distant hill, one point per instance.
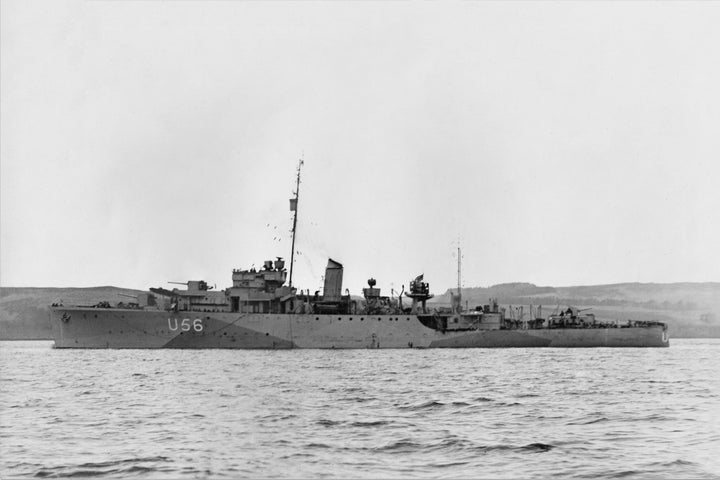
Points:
(691, 309)
(24, 312)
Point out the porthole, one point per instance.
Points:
(362, 319)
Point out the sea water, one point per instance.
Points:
(465, 413)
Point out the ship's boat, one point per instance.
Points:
(262, 310)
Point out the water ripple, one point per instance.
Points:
(529, 413)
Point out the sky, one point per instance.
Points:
(557, 143)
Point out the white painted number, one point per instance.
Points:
(185, 325)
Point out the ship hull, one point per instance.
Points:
(132, 328)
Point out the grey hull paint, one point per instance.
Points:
(130, 328)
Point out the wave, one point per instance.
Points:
(655, 417)
(359, 399)
(430, 405)
(435, 404)
(376, 423)
(122, 462)
(93, 469)
(458, 446)
(678, 462)
(358, 423)
(317, 445)
(447, 464)
(450, 444)
(531, 447)
(627, 473)
(589, 421)
(538, 447)
(329, 423)
(401, 446)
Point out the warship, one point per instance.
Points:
(261, 311)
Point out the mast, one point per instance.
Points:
(293, 207)
(459, 285)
